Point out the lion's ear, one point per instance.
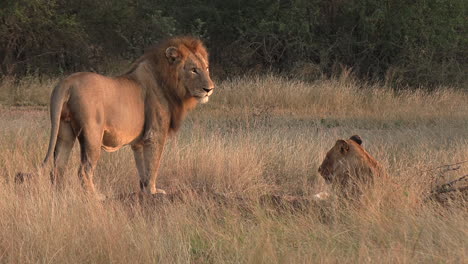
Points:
(356, 139)
(343, 145)
(172, 54)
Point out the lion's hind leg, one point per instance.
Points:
(90, 144)
(65, 141)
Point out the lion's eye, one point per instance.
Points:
(194, 70)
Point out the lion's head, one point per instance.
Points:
(348, 162)
(190, 61)
(179, 67)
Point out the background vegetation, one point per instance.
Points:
(398, 41)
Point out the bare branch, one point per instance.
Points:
(448, 166)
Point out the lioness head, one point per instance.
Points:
(347, 159)
(190, 60)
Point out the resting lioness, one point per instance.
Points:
(139, 108)
(348, 167)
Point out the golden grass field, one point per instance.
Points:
(256, 136)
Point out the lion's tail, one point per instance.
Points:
(56, 104)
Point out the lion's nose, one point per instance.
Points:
(207, 89)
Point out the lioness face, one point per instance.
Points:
(335, 162)
(194, 75)
(340, 159)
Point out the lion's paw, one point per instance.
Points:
(160, 191)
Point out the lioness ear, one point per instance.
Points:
(172, 54)
(356, 139)
(343, 145)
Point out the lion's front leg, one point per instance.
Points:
(152, 152)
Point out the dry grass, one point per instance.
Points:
(256, 136)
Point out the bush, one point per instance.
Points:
(397, 41)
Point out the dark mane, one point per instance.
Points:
(192, 44)
(164, 76)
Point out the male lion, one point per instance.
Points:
(349, 167)
(139, 108)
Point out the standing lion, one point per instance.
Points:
(139, 108)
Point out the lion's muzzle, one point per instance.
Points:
(209, 91)
(326, 174)
(205, 97)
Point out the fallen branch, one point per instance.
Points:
(448, 188)
(448, 166)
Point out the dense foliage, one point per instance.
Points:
(415, 42)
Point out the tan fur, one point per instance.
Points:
(349, 167)
(139, 108)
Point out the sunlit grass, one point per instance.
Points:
(256, 136)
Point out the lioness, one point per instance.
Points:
(139, 108)
(349, 167)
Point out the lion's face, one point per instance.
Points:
(345, 155)
(193, 72)
(334, 164)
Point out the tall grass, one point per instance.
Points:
(258, 135)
